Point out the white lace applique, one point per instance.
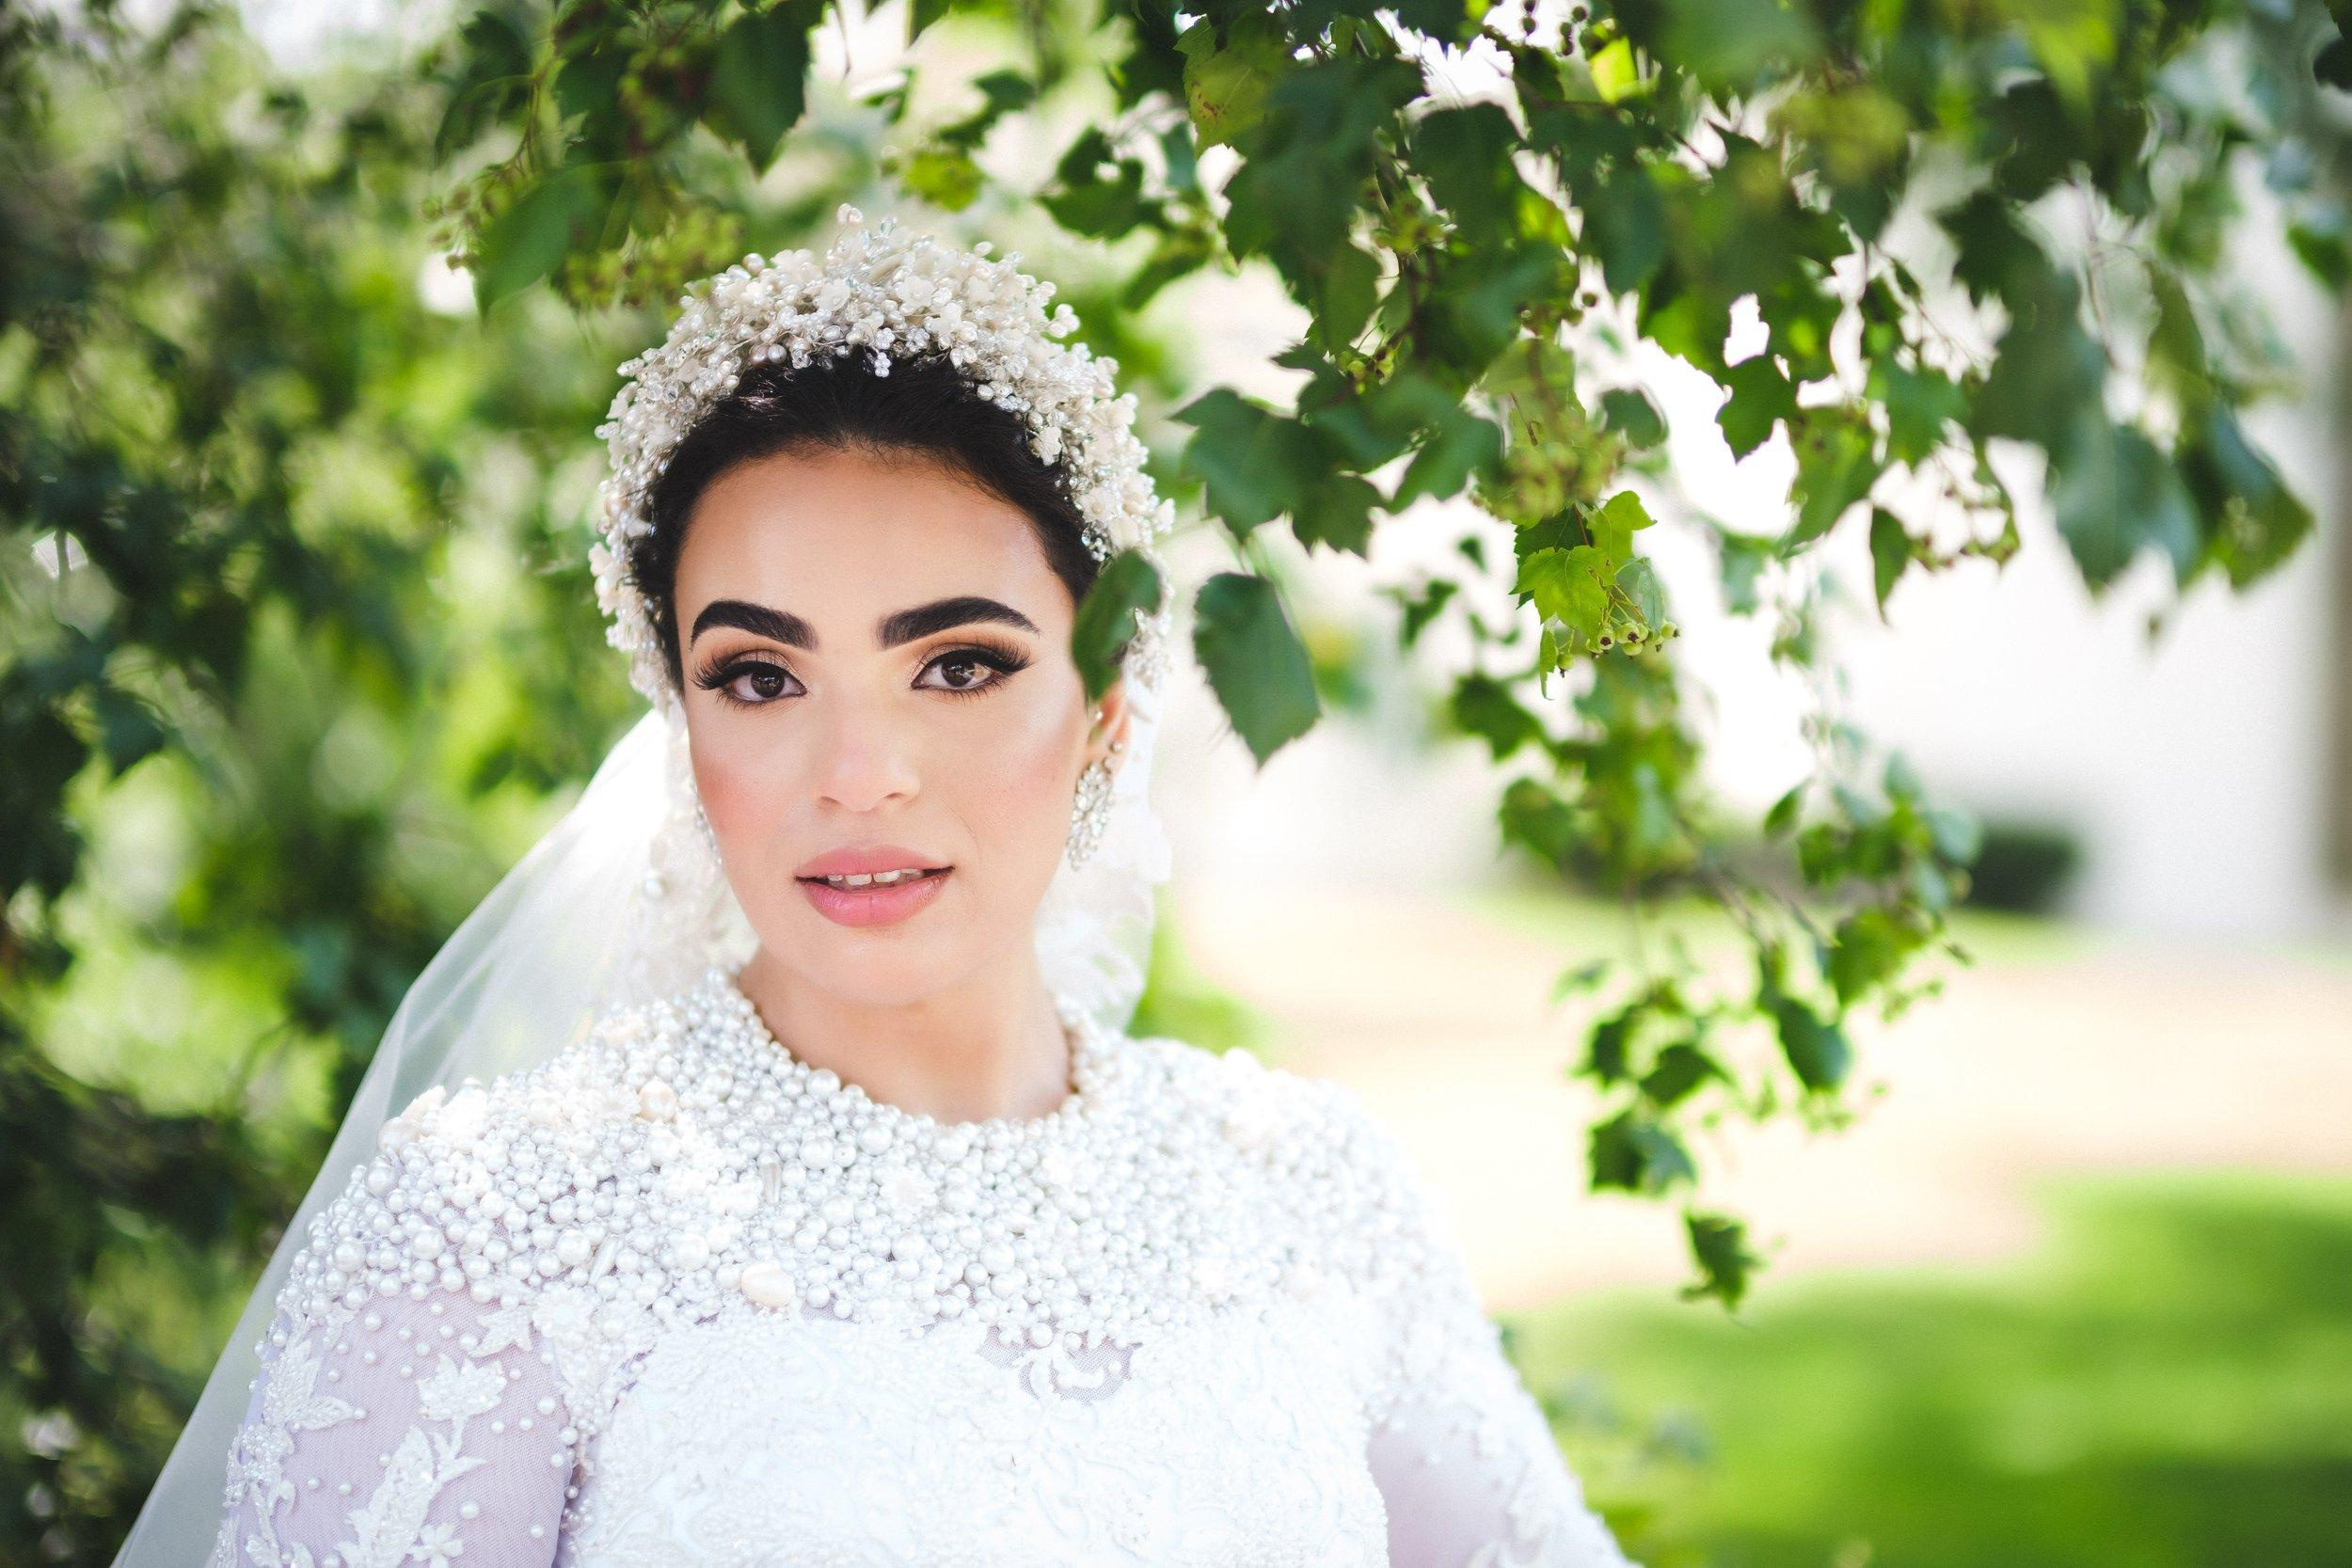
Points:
(1460, 1447)
(426, 1395)
(672, 1298)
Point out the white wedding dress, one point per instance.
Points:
(674, 1297)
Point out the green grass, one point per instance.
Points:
(2167, 1384)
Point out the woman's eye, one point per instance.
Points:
(750, 684)
(968, 671)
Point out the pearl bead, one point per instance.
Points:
(1171, 1186)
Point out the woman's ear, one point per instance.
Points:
(1106, 736)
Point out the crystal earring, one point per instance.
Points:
(1091, 810)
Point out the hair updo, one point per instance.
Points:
(924, 408)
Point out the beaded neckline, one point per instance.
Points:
(1090, 1058)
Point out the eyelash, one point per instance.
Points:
(722, 678)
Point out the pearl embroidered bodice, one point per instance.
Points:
(675, 1297)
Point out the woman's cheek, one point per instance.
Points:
(1020, 793)
(731, 800)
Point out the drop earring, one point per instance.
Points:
(1091, 808)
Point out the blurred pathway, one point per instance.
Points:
(2051, 1053)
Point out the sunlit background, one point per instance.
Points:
(2078, 1289)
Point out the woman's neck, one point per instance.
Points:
(994, 1048)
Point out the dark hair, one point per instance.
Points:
(924, 408)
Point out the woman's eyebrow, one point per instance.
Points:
(903, 626)
(780, 625)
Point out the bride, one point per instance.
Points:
(776, 1181)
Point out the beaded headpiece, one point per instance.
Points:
(892, 296)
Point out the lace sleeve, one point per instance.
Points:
(408, 1410)
(1462, 1454)
(407, 1432)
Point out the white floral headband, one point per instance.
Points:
(893, 295)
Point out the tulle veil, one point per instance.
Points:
(622, 900)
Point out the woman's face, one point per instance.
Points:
(877, 676)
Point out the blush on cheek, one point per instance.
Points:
(1018, 798)
(729, 799)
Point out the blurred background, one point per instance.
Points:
(2075, 1288)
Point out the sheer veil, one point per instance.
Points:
(623, 900)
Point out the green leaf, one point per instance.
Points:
(922, 13)
(1605, 1051)
(1461, 444)
(1372, 427)
(588, 82)
(1535, 817)
(1465, 155)
(1614, 523)
(758, 78)
(945, 176)
(2046, 373)
(1901, 780)
(2254, 520)
(1719, 1247)
(1584, 977)
(1918, 404)
(1485, 707)
(1836, 467)
(1085, 200)
(1350, 288)
(1890, 553)
(1256, 463)
(1226, 79)
(1478, 301)
(1614, 74)
(2114, 492)
(1678, 1071)
(1296, 198)
(1625, 222)
(1731, 46)
(1633, 1153)
(1816, 1048)
(1631, 413)
(1337, 514)
(1128, 585)
(1254, 662)
(1567, 586)
(1760, 395)
(1638, 580)
(526, 242)
(1867, 950)
(495, 83)
(2332, 65)
(128, 729)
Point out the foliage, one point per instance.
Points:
(293, 602)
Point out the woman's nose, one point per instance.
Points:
(864, 760)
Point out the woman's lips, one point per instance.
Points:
(872, 905)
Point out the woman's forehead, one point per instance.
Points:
(835, 536)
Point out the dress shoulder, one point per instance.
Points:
(1375, 1221)
(413, 1401)
(486, 1193)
